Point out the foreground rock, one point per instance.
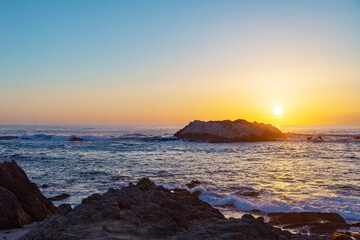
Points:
(229, 131)
(319, 222)
(11, 212)
(21, 201)
(147, 211)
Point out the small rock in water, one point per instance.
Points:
(75, 139)
(193, 184)
(44, 186)
(8, 137)
(59, 197)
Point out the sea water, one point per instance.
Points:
(286, 175)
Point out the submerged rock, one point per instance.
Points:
(229, 131)
(147, 211)
(193, 184)
(20, 198)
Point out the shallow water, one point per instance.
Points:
(290, 175)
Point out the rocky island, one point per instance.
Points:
(229, 131)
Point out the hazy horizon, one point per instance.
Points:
(171, 62)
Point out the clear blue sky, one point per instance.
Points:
(56, 54)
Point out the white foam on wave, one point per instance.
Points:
(267, 205)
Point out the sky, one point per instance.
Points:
(171, 62)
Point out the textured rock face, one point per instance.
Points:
(29, 203)
(11, 212)
(229, 131)
(147, 211)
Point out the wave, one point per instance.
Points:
(46, 137)
(267, 205)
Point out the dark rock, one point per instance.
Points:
(63, 209)
(75, 139)
(192, 184)
(319, 222)
(11, 212)
(147, 211)
(14, 179)
(255, 211)
(357, 137)
(8, 137)
(229, 131)
(59, 197)
(44, 186)
(146, 183)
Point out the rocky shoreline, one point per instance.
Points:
(147, 211)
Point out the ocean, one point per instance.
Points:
(285, 175)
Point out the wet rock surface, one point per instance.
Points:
(147, 211)
(59, 197)
(229, 131)
(319, 222)
(21, 200)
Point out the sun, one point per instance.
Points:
(277, 111)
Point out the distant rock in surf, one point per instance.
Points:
(229, 131)
(8, 137)
(21, 201)
(75, 139)
(315, 139)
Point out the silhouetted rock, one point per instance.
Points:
(75, 139)
(147, 211)
(248, 192)
(319, 222)
(59, 197)
(44, 186)
(33, 205)
(229, 131)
